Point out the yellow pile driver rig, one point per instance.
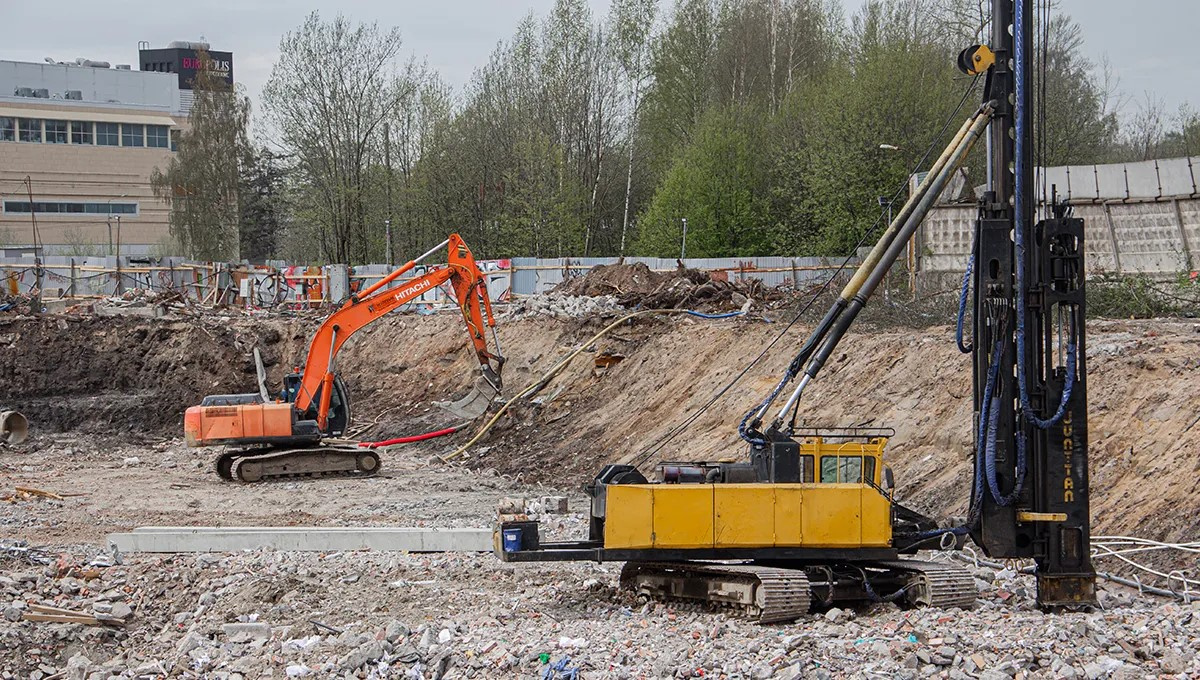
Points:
(810, 518)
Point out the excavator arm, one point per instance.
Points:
(470, 290)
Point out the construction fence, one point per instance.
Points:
(281, 285)
(1141, 218)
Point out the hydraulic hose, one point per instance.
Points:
(409, 439)
(963, 294)
(1022, 214)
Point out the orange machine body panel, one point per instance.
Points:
(207, 425)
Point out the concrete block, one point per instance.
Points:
(313, 539)
(510, 506)
(555, 505)
(246, 631)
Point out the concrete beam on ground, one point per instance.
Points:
(312, 539)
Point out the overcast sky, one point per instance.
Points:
(1146, 42)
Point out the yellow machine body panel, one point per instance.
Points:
(841, 507)
(630, 522)
(686, 520)
(832, 516)
(737, 514)
(746, 516)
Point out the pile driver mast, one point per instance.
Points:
(1029, 362)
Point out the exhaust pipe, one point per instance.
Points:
(14, 427)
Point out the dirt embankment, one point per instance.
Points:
(123, 375)
(100, 374)
(636, 285)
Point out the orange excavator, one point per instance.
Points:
(297, 433)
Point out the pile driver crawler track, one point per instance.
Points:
(769, 594)
(934, 584)
(256, 465)
(765, 594)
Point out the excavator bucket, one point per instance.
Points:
(477, 400)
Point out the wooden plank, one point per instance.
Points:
(61, 618)
(38, 492)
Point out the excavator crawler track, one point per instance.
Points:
(934, 584)
(764, 594)
(259, 465)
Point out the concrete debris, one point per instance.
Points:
(518, 509)
(561, 306)
(251, 615)
(636, 285)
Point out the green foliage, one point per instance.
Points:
(760, 121)
(718, 184)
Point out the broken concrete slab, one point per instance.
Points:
(147, 311)
(318, 539)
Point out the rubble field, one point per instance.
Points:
(105, 397)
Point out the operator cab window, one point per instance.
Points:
(847, 469)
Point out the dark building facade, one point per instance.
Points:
(181, 57)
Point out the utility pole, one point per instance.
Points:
(387, 161)
(120, 288)
(683, 245)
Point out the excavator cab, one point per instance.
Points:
(339, 404)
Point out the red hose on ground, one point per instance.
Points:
(408, 440)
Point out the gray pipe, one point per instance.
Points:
(14, 427)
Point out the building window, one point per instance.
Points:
(8, 129)
(156, 136)
(29, 129)
(81, 132)
(133, 135)
(71, 207)
(108, 134)
(56, 132)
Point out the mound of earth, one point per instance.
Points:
(636, 285)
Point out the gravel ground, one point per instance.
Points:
(264, 614)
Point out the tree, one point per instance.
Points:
(894, 86)
(328, 96)
(260, 203)
(630, 24)
(202, 179)
(1079, 126)
(718, 185)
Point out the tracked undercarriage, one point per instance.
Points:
(329, 458)
(769, 594)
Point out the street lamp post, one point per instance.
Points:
(912, 241)
(117, 251)
(683, 244)
(108, 221)
(387, 238)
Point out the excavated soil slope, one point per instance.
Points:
(124, 375)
